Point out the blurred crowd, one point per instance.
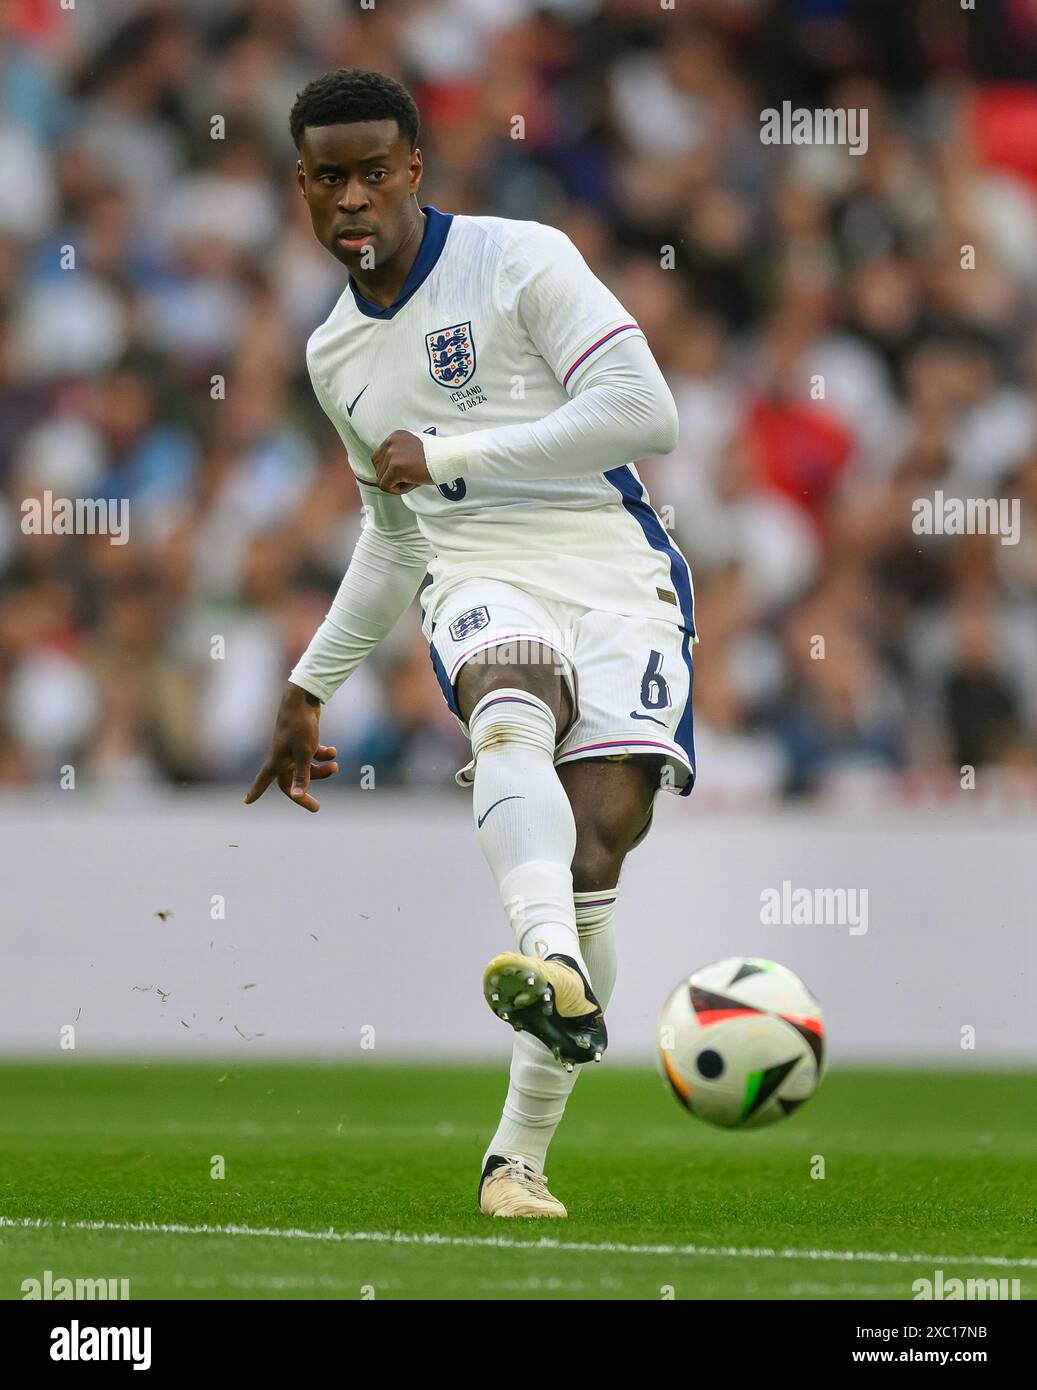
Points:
(843, 334)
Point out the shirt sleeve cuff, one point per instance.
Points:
(310, 684)
(446, 458)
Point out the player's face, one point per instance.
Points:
(358, 181)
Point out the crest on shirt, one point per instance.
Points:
(468, 623)
(451, 355)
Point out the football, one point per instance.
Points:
(742, 1043)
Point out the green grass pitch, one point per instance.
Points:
(936, 1166)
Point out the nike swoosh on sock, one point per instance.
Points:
(516, 797)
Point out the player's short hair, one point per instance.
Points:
(354, 94)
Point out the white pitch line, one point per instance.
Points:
(507, 1243)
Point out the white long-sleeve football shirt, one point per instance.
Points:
(535, 392)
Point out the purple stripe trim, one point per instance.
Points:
(496, 641)
(594, 347)
(596, 902)
(623, 743)
(509, 700)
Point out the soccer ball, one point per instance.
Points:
(742, 1042)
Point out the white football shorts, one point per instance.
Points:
(630, 678)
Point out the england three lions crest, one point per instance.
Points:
(472, 621)
(451, 355)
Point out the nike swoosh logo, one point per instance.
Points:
(496, 804)
(351, 408)
(634, 715)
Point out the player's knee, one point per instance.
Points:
(599, 857)
(606, 834)
(595, 870)
(480, 679)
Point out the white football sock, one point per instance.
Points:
(524, 822)
(594, 922)
(540, 1086)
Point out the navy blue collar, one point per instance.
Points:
(436, 227)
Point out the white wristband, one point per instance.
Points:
(446, 458)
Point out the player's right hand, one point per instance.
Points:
(297, 755)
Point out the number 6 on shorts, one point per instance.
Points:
(655, 693)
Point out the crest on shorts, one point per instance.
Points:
(468, 623)
(451, 355)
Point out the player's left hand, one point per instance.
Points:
(399, 462)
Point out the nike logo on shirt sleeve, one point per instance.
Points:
(351, 408)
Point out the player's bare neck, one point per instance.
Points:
(382, 284)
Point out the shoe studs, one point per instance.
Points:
(511, 991)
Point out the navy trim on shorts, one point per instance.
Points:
(442, 677)
(684, 738)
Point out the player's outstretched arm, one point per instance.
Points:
(389, 562)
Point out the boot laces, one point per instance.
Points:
(528, 1178)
